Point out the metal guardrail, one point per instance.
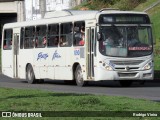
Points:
(153, 5)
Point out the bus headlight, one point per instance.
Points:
(107, 67)
(148, 66)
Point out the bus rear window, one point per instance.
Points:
(7, 43)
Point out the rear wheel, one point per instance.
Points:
(79, 77)
(125, 83)
(30, 75)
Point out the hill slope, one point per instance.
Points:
(154, 14)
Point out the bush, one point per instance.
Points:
(99, 4)
(96, 4)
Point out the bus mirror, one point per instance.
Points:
(99, 38)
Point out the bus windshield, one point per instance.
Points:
(125, 41)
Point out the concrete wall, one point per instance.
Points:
(16, 7)
(34, 11)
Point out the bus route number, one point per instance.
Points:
(77, 52)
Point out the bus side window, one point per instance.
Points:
(66, 36)
(29, 37)
(7, 43)
(79, 33)
(53, 35)
(41, 36)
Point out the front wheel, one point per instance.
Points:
(30, 75)
(125, 83)
(79, 77)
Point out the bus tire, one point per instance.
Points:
(30, 75)
(79, 76)
(125, 83)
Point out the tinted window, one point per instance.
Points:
(53, 35)
(41, 36)
(7, 43)
(29, 39)
(79, 33)
(66, 36)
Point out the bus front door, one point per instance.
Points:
(16, 53)
(90, 52)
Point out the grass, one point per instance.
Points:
(154, 16)
(0, 59)
(145, 5)
(37, 100)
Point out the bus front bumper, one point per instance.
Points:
(102, 74)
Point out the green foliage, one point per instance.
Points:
(96, 4)
(111, 2)
(154, 16)
(91, 5)
(99, 4)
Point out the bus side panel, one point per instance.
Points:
(25, 57)
(69, 62)
(7, 62)
(80, 58)
(62, 62)
(50, 64)
(40, 58)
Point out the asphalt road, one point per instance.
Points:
(150, 90)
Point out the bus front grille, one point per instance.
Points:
(124, 68)
(127, 74)
(131, 62)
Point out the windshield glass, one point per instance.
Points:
(125, 41)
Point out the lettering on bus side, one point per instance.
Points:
(56, 55)
(42, 56)
(76, 52)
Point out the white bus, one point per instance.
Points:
(80, 46)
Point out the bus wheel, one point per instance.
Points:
(30, 75)
(125, 83)
(79, 77)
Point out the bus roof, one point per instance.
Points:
(74, 15)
